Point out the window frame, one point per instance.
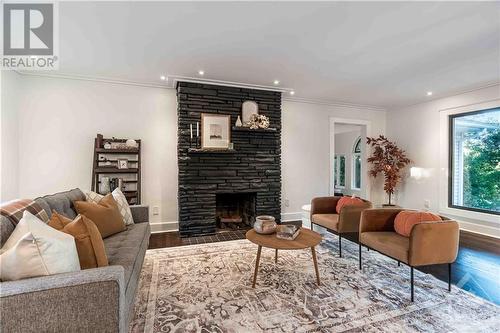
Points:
(451, 118)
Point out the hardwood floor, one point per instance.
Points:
(477, 268)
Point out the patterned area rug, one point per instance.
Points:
(207, 288)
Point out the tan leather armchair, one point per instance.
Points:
(428, 244)
(323, 213)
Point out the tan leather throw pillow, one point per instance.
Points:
(89, 244)
(58, 221)
(104, 214)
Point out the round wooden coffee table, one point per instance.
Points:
(307, 238)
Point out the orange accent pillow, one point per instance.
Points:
(406, 219)
(348, 201)
(105, 215)
(88, 240)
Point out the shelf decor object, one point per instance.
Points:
(248, 109)
(117, 161)
(215, 131)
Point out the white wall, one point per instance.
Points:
(344, 145)
(306, 150)
(59, 119)
(417, 130)
(9, 157)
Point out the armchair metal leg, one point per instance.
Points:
(411, 278)
(399, 263)
(449, 277)
(340, 245)
(360, 267)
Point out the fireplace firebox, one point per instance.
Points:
(235, 210)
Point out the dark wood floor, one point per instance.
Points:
(477, 268)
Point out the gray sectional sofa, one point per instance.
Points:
(91, 300)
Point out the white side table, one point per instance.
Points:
(306, 216)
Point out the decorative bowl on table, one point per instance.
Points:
(265, 224)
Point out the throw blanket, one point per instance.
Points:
(13, 210)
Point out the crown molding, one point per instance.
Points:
(68, 76)
(333, 103)
(173, 79)
(455, 93)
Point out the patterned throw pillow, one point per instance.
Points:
(120, 199)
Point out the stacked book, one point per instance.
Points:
(288, 232)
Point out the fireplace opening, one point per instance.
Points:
(235, 210)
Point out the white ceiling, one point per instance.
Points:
(380, 54)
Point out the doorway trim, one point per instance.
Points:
(349, 121)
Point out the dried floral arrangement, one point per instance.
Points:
(258, 121)
(387, 158)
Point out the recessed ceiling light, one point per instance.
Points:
(163, 78)
(429, 93)
(276, 82)
(201, 72)
(292, 92)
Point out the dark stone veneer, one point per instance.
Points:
(254, 166)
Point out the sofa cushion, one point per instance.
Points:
(406, 219)
(105, 215)
(329, 221)
(348, 201)
(61, 202)
(388, 243)
(124, 248)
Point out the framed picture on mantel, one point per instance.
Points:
(215, 131)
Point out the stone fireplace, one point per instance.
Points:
(240, 183)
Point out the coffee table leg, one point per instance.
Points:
(315, 261)
(256, 266)
(276, 257)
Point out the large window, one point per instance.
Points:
(356, 166)
(474, 179)
(339, 171)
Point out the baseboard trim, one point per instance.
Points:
(479, 229)
(159, 227)
(297, 216)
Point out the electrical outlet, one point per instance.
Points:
(427, 203)
(156, 210)
(287, 203)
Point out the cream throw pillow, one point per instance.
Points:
(121, 201)
(36, 249)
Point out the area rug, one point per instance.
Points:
(207, 288)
